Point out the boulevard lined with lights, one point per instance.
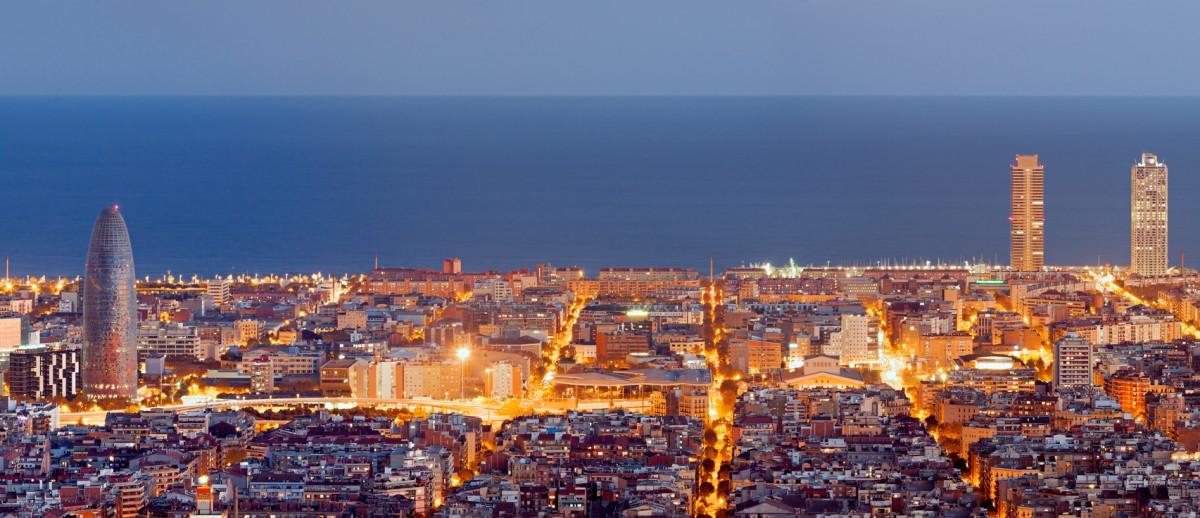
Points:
(714, 475)
(557, 344)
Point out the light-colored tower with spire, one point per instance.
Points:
(1148, 217)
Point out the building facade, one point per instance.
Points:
(1148, 213)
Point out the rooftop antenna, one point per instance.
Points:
(710, 269)
(376, 261)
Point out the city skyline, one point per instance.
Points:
(681, 259)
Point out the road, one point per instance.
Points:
(1106, 282)
(485, 411)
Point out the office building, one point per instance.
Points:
(172, 340)
(1148, 214)
(1028, 214)
(613, 347)
(110, 313)
(218, 289)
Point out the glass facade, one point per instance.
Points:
(110, 313)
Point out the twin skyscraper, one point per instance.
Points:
(1148, 216)
(1148, 239)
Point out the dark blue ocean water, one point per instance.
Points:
(226, 185)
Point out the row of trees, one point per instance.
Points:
(718, 445)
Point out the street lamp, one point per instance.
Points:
(463, 354)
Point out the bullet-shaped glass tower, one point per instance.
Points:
(110, 313)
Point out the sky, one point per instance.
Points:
(609, 47)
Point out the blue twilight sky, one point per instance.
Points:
(608, 47)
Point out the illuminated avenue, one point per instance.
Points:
(919, 389)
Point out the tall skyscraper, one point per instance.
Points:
(1028, 214)
(1072, 362)
(110, 313)
(1148, 214)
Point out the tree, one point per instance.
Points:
(931, 423)
(511, 408)
(465, 475)
(234, 456)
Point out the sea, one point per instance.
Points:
(232, 185)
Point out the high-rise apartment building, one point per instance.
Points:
(262, 376)
(1148, 214)
(851, 344)
(41, 372)
(110, 313)
(1072, 362)
(1028, 214)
